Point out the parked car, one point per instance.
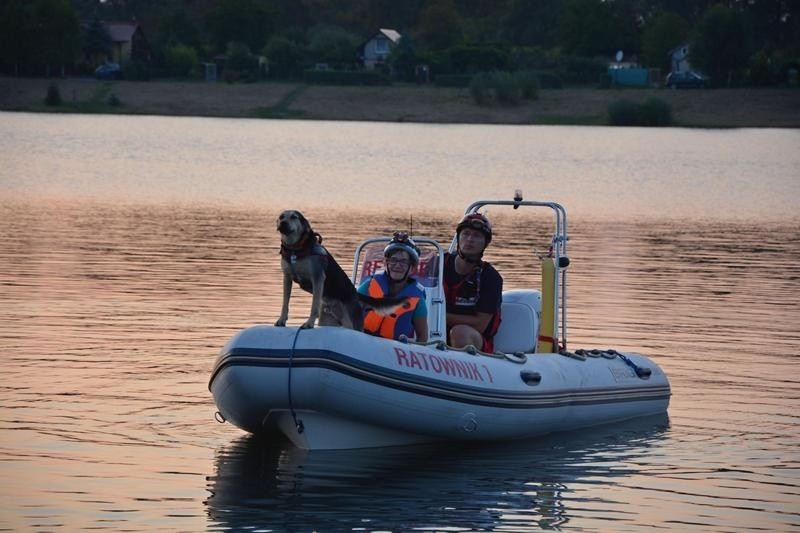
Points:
(686, 80)
(108, 71)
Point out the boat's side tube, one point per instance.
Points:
(547, 341)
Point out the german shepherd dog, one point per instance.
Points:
(306, 262)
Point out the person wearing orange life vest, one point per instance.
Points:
(473, 288)
(400, 256)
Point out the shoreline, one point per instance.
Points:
(700, 108)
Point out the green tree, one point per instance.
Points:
(439, 25)
(285, 57)
(472, 59)
(366, 16)
(332, 44)
(532, 22)
(176, 26)
(16, 36)
(591, 27)
(247, 21)
(58, 35)
(482, 20)
(720, 45)
(404, 59)
(97, 42)
(180, 60)
(661, 34)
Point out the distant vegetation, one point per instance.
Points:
(651, 112)
(559, 42)
(504, 88)
(53, 97)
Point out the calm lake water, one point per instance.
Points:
(132, 248)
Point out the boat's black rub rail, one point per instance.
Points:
(432, 387)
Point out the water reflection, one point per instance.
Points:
(520, 486)
(123, 272)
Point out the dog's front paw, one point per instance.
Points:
(308, 324)
(280, 322)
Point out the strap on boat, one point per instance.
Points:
(298, 424)
(642, 372)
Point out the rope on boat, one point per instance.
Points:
(581, 355)
(517, 357)
(298, 424)
(643, 373)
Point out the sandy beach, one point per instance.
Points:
(716, 108)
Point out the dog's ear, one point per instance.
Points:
(303, 220)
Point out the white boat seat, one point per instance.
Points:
(519, 327)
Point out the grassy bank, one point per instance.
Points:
(718, 108)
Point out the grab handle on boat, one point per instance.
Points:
(530, 377)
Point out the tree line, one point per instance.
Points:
(736, 42)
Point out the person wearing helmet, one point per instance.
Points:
(472, 287)
(400, 257)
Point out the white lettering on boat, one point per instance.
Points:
(438, 364)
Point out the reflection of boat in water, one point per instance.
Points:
(334, 388)
(516, 486)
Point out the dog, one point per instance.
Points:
(335, 301)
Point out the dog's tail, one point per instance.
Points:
(383, 306)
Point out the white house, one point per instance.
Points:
(377, 49)
(679, 59)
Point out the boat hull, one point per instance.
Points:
(333, 388)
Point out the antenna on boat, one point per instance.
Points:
(410, 225)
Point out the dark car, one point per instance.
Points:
(108, 71)
(686, 80)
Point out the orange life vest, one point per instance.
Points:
(399, 321)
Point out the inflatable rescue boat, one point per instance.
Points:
(335, 388)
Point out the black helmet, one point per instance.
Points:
(401, 241)
(476, 221)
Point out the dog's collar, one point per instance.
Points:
(304, 247)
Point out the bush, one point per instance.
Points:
(531, 58)
(346, 77)
(240, 64)
(762, 70)
(504, 87)
(114, 101)
(180, 60)
(528, 84)
(578, 69)
(507, 88)
(454, 80)
(653, 112)
(285, 57)
(135, 70)
(480, 88)
(472, 58)
(53, 97)
(623, 113)
(548, 80)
